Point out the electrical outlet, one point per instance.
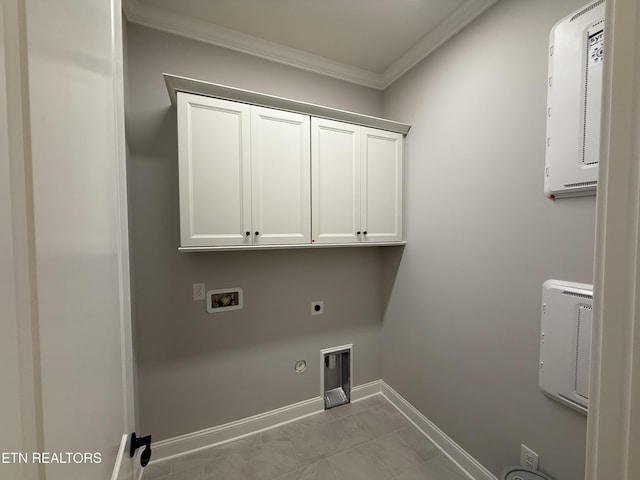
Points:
(198, 291)
(528, 458)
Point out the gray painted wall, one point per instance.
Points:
(461, 326)
(461, 304)
(197, 370)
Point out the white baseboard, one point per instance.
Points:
(473, 468)
(361, 392)
(172, 447)
(191, 442)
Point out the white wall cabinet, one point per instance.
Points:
(257, 177)
(280, 189)
(215, 171)
(335, 170)
(244, 174)
(356, 183)
(381, 186)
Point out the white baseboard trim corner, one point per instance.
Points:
(474, 469)
(192, 442)
(365, 390)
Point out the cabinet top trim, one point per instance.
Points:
(292, 246)
(176, 83)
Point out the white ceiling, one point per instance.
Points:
(369, 42)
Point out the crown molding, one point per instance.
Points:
(196, 29)
(463, 16)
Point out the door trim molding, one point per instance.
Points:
(613, 429)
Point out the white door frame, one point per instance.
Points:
(20, 369)
(124, 468)
(20, 399)
(613, 432)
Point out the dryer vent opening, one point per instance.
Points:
(337, 378)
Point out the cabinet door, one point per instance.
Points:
(335, 177)
(215, 181)
(280, 171)
(382, 181)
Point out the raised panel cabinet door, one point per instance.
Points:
(214, 170)
(335, 163)
(382, 184)
(280, 177)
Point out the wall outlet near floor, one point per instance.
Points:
(528, 458)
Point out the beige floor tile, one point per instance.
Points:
(367, 440)
(359, 463)
(419, 443)
(321, 470)
(440, 468)
(382, 419)
(314, 444)
(394, 453)
(272, 459)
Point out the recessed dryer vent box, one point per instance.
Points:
(565, 342)
(574, 99)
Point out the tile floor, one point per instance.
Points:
(369, 440)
